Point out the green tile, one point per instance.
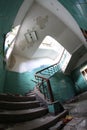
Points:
(78, 10)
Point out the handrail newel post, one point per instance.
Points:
(50, 91)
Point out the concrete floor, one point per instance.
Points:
(78, 110)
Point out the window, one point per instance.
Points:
(84, 72)
(57, 50)
(9, 41)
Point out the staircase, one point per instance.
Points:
(26, 112)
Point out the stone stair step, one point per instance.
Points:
(17, 98)
(30, 93)
(6, 105)
(43, 123)
(58, 126)
(22, 115)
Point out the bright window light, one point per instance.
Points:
(57, 49)
(9, 41)
(51, 43)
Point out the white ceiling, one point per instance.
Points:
(71, 36)
(60, 25)
(57, 9)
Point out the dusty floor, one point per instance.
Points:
(78, 110)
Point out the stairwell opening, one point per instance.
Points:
(53, 50)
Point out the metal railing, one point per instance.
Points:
(43, 79)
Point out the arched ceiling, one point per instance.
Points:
(71, 36)
(58, 8)
(9, 9)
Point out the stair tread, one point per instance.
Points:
(39, 123)
(28, 94)
(18, 98)
(18, 112)
(22, 102)
(58, 125)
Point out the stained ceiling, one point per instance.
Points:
(77, 8)
(9, 9)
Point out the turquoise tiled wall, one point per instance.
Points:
(80, 82)
(2, 75)
(8, 11)
(2, 67)
(18, 83)
(78, 9)
(62, 86)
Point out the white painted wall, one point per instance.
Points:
(52, 26)
(58, 10)
(56, 22)
(46, 53)
(23, 64)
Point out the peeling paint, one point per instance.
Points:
(12, 62)
(41, 21)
